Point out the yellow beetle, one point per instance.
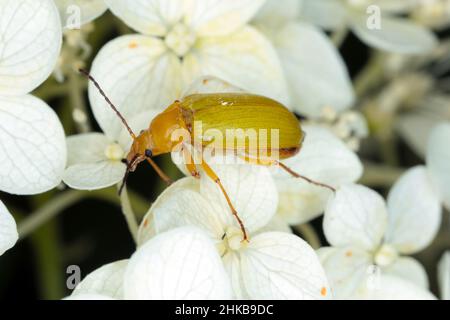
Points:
(221, 112)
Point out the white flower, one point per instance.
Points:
(369, 238)
(94, 159)
(315, 72)
(180, 41)
(323, 158)
(444, 276)
(272, 265)
(8, 229)
(32, 145)
(88, 10)
(179, 264)
(390, 33)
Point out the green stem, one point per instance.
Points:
(376, 175)
(370, 76)
(339, 36)
(49, 265)
(128, 213)
(309, 234)
(79, 109)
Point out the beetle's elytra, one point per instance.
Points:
(219, 112)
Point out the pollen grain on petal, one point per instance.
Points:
(323, 291)
(348, 253)
(132, 45)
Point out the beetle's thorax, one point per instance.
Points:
(167, 129)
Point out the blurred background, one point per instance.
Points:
(92, 232)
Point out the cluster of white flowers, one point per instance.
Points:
(189, 244)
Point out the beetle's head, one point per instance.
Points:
(140, 150)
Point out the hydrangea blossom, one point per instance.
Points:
(180, 41)
(323, 158)
(374, 22)
(272, 265)
(179, 264)
(369, 238)
(88, 10)
(32, 145)
(315, 72)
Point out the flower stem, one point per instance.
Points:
(128, 212)
(378, 175)
(79, 109)
(339, 36)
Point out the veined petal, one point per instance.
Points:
(252, 192)
(245, 59)
(323, 158)
(137, 74)
(272, 14)
(92, 176)
(181, 205)
(444, 276)
(414, 212)
(356, 216)
(389, 287)
(31, 37)
(32, 146)
(409, 269)
(89, 10)
(282, 266)
(219, 18)
(315, 71)
(178, 264)
(8, 229)
(276, 224)
(346, 269)
(438, 160)
(86, 148)
(150, 17)
(395, 35)
(106, 280)
(318, 12)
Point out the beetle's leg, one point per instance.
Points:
(189, 162)
(160, 172)
(273, 162)
(210, 173)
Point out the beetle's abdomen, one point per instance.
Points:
(222, 118)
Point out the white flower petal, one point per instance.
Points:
(106, 280)
(393, 288)
(137, 74)
(395, 35)
(438, 160)
(8, 229)
(414, 212)
(181, 205)
(178, 264)
(92, 176)
(315, 71)
(245, 59)
(151, 17)
(276, 224)
(88, 296)
(346, 269)
(356, 216)
(138, 122)
(251, 189)
(318, 12)
(209, 84)
(282, 266)
(219, 18)
(86, 148)
(31, 39)
(89, 10)
(32, 146)
(323, 158)
(409, 269)
(273, 14)
(444, 276)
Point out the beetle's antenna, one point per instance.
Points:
(86, 73)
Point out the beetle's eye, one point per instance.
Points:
(148, 153)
